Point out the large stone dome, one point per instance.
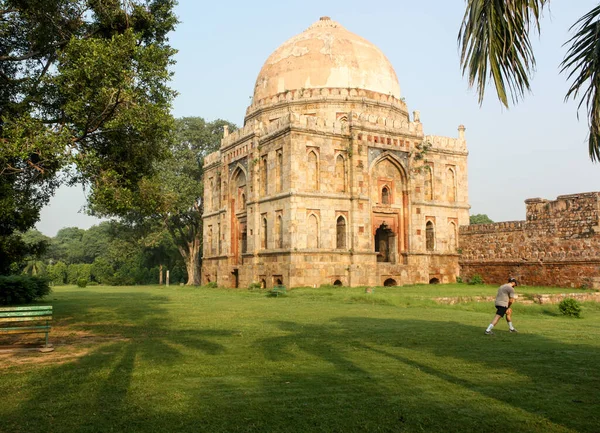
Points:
(326, 55)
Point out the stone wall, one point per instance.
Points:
(557, 245)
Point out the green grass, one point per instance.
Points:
(178, 359)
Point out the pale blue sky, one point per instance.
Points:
(535, 149)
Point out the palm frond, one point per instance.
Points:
(494, 44)
(582, 64)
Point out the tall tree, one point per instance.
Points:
(182, 187)
(84, 98)
(173, 196)
(495, 45)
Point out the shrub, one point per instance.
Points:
(82, 282)
(459, 280)
(22, 289)
(476, 279)
(254, 286)
(57, 273)
(211, 285)
(570, 307)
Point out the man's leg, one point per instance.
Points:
(509, 320)
(494, 322)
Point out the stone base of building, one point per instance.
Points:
(313, 269)
(584, 274)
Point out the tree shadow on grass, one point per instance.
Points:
(351, 374)
(557, 382)
(84, 393)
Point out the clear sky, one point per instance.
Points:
(535, 149)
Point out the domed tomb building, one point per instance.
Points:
(330, 181)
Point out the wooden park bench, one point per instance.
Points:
(26, 320)
(277, 290)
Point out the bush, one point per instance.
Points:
(22, 289)
(570, 307)
(82, 282)
(57, 273)
(211, 285)
(476, 279)
(459, 280)
(254, 286)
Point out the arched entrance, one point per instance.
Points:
(384, 238)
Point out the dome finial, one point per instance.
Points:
(325, 19)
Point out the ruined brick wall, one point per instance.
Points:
(557, 245)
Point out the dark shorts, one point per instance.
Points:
(501, 311)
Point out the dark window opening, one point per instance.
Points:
(337, 283)
(434, 281)
(390, 282)
(244, 240)
(385, 195)
(236, 278)
(429, 236)
(383, 237)
(340, 233)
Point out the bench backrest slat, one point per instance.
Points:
(25, 319)
(34, 308)
(26, 313)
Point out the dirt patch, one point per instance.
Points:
(21, 350)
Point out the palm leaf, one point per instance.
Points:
(582, 63)
(494, 44)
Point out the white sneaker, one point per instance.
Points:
(489, 332)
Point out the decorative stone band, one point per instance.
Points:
(325, 94)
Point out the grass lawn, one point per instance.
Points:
(179, 359)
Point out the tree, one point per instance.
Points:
(66, 246)
(494, 43)
(83, 99)
(480, 219)
(195, 138)
(172, 197)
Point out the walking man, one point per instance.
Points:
(504, 299)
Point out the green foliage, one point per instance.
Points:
(459, 280)
(76, 271)
(254, 286)
(102, 271)
(22, 289)
(211, 285)
(476, 279)
(495, 45)
(172, 198)
(84, 98)
(57, 273)
(277, 291)
(570, 307)
(480, 219)
(82, 282)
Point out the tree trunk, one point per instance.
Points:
(192, 261)
(160, 275)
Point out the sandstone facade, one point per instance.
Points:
(330, 181)
(557, 245)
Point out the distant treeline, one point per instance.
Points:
(109, 253)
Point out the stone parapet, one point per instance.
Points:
(325, 94)
(212, 158)
(446, 143)
(558, 244)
